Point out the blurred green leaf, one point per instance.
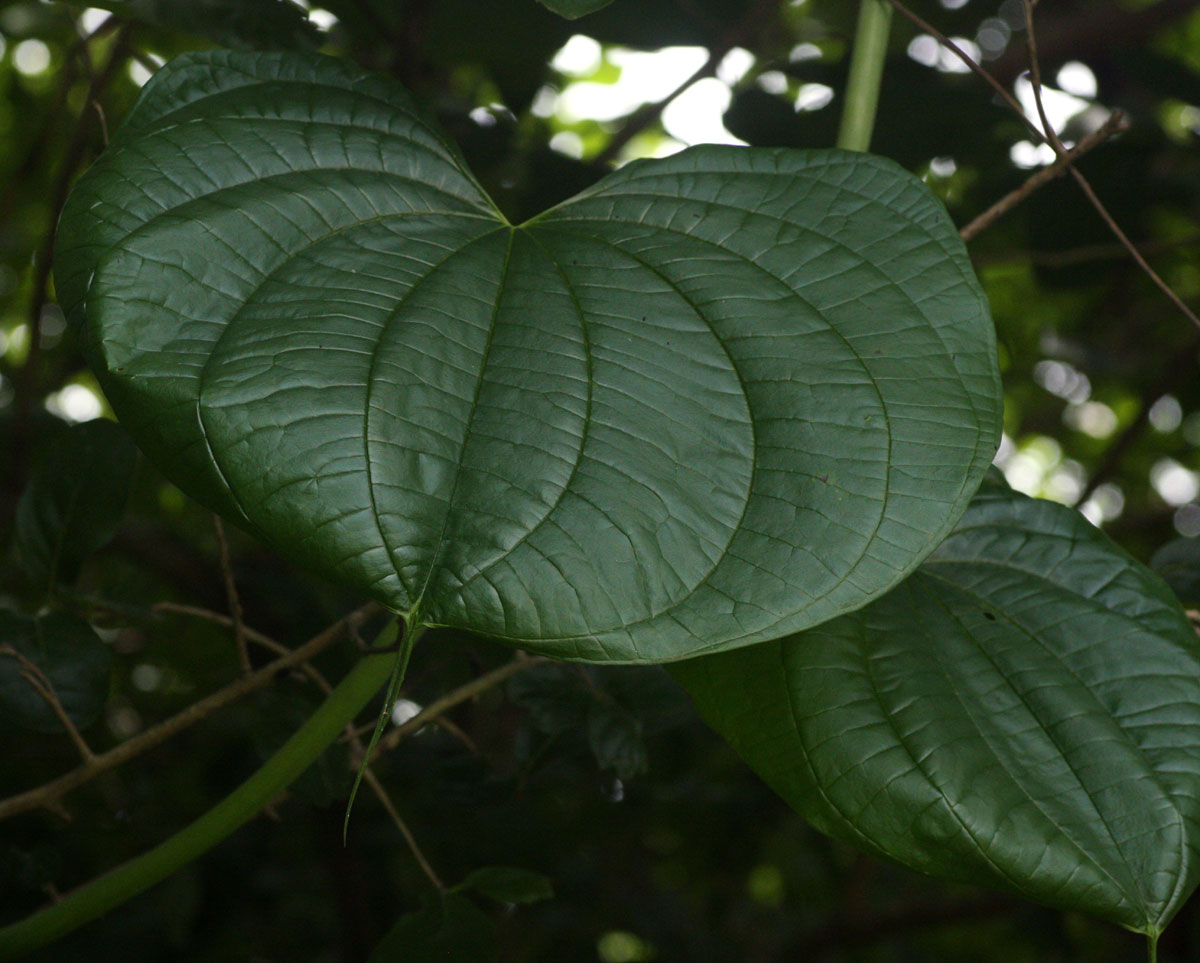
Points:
(448, 929)
(509, 884)
(556, 697)
(74, 500)
(615, 738)
(573, 9)
(1178, 563)
(68, 654)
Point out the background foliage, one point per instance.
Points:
(659, 842)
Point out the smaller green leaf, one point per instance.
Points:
(615, 738)
(1178, 564)
(74, 500)
(574, 9)
(68, 654)
(509, 884)
(448, 929)
(1022, 712)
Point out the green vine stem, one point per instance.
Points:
(866, 75)
(296, 755)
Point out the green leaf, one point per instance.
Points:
(574, 9)
(1178, 563)
(68, 654)
(74, 500)
(615, 738)
(449, 928)
(1023, 712)
(509, 884)
(713, 399)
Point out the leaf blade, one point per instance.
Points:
(559, 434)
(1018, 712)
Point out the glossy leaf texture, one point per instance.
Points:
(573, 9)
(74, 500)
(1023, 711)
(711, 400)
(59, 650)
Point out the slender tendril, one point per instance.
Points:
(399, 668)
(297, 754)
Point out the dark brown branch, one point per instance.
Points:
(51, 792)
(438, 707)
(24, 384)
(1051, 137)
(42, 685)
(1085, 30)
(970, 63)
(231, 594)
(1129, 246)
(1114, 125)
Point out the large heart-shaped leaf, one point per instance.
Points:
(711, 400)
(1024, 711)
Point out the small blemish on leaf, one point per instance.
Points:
(989, 616)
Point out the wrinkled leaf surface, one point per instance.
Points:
(1023, 711)
(711, 400)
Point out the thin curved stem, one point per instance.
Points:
(118, 885)
(866, 75)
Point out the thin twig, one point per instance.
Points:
(966, 58)
(377, 787)
(24, 386)
(438, 707)
(1050, 135)
(50, 792)
(41, 684)
(219, 618)
(231, 594)
(1129, 246)
(385, 800)
(1114, 125)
